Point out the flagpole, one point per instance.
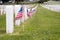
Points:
(23, 17)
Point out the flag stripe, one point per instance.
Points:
(20, 13)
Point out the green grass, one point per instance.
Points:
(44, 25)
(2, 24)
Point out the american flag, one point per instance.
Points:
(30, 13)
(20, 13)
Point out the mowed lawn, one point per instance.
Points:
(2, 24)
(44, 25)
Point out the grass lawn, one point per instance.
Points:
(44, 25)
(2, 24)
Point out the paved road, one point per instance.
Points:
(52, 7)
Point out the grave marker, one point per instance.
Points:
(9, 19)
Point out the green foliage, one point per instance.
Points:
(2, 24)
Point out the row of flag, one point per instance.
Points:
(30, 12)
(21, 12)
(24, 13)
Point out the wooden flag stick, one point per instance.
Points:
(23, 18)
(23, 26)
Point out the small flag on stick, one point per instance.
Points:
(19, 14)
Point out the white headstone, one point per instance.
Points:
(31, 0)
(22, 20)
(1, 9)
(25, 12)
(9, 19)
(18, 21)
(4, 9)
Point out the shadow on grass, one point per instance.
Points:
(2, 31)
(17, 37)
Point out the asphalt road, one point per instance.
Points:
(52, 7)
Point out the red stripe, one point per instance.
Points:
(19, 15)
(29, 14)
